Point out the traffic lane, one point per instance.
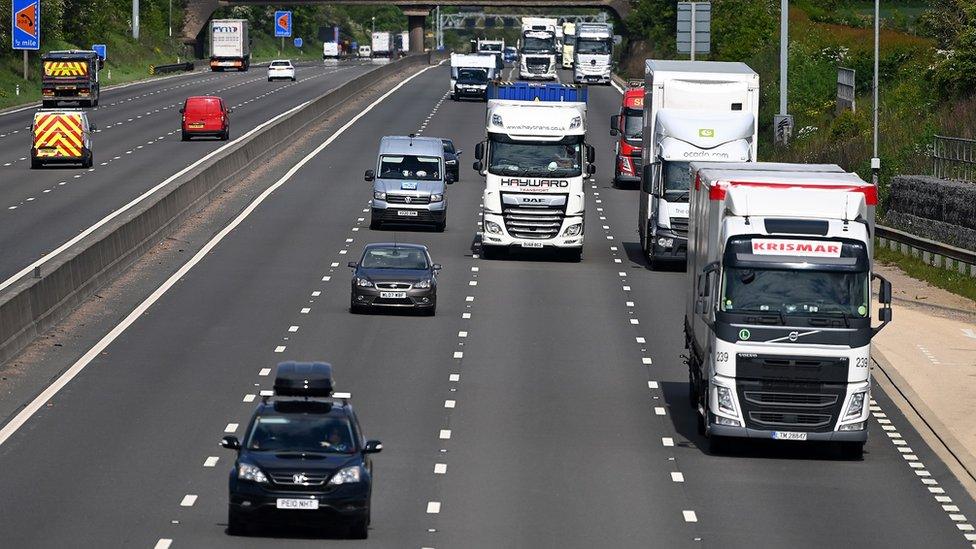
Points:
(37, 226)
(877, 502)
(178, 378)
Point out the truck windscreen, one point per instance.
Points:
(535, 159)
(472, 76)
(426, 168)
(633, 125)
(593, 47)
(677, 178)
(795, 292)
(532, 44)
(569, 39)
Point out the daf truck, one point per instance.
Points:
(537, 49)
(593, 53)
(778, 319)
(230, 45)
(703, 111)
(534, 160)
(569, 41)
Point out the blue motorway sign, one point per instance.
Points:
(282, 24)
(298, 42)
(25, 24)
(101, 50)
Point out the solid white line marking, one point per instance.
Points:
(163, 543)
(440, 468)
(450, 403)
(188, 500)
(667, 441)
(231, 427)
(211, 461)
(690, 516)
(264, 371)
(433, 507)
(677, 477)
(445, 434)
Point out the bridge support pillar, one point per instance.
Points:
(417, 24)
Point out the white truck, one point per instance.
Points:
(470, 75)
(330, 50)
(778, 314)
(535, 159)
(569, 41)
(703, 111)
(593, 53)
(404, 42)
(537, 48)
(230, 45)
(491, 47)
(382, 44)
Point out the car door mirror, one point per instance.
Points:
(479, 151)
(614, 124)
(373, 447)
(230, 442)
(370, 175)
(182, 110)
(353, 265)
(436, 266)
(459, 152)
(449, 178)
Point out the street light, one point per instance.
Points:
(875, 159)
(373, 19)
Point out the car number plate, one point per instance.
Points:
(407, 213)
(393, 295)
(532, 244)
(284, 503)
(789, 435)
(196, 125)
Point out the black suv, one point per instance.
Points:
(303, 460)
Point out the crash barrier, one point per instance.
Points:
(930, 252)
(936, 209)
(174, 67)
(35, 303)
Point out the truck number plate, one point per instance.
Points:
(407, 213)
(532, 244)
(393, 295)
(789, 435)
(284, 503)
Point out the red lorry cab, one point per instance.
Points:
(628, 126)
(205, 115)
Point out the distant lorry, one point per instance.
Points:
(534, 160)
(569, 43)
(470, 75)
(331, 50)
(382, 44)
(230, 45)
(492, 47)
(404, 45)
(70, 75)
(593, 53)
(778, 316)
(627, 125)
(537, 49)
(704, 111)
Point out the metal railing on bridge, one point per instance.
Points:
(954, 158)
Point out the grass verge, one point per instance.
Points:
(951, 281)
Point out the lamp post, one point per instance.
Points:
(373, 20)
(875, 159)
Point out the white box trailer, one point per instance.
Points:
(382, 44)
(693, 111)
(330, 50)
(778, 318)
(230, 45)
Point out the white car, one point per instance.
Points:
(365, 51)
(281, 69)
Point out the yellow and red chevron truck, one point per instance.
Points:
(70, 75)
(61, 137)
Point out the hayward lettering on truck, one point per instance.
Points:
(778, 320)
(534, 160)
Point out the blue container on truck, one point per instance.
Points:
(522, 91)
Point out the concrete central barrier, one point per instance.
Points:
(33, 305)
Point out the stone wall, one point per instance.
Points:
(936, 209)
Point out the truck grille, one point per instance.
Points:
(407, 199)
(537, 65)
(790, 399)
(679, 225)
(806, 422)
(533, 222)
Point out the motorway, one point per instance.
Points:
(137, 146)
(544, 406)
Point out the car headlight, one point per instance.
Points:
(726, 403)
(573, 230)
(436, 197)
(496, 120)
(246, 471)
(422, 285)
(347, 476)
(856, 407)
(379, 195)
(363, 283)
(492, 227)
(576, 122)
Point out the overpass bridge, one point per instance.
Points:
(198, 12)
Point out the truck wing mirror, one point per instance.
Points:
(614, 124)
(479, 151)
(884, 291)
(370, 175)
(884, 297)
(700, 306)
(478, 166)
(591, 169)
(590, 153)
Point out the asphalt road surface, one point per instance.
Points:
(544, 406)
(137, 146)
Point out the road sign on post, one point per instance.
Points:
(282, 24)
(26, 24)
(298, 42)
(101, 50)
(694, 28)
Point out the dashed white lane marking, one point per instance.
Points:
(163, 543)
(667, 441)
(305, 310)
(316, 293)
(462, 334)
(211, 461)
(231, 428)
(264, 371)
(249, 397)
(659, 410)
(455, 377)
(188, 500)
(652, 385)
(280, 349)
(445, 434)
(450, 403)
(634, 321)
(677, 477)
(458, 354)
(465, 315)
(647, 361)
(440, 468)
(293, 329)
(433, 507)
(689, 516)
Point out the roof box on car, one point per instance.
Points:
(304, 379)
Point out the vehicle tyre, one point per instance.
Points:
(574, 255)
(432, 310)
(692, 391)
(702, 401)
(184, 136)
(853, 451)
(95, 102)
(355, 308)
(359, 529)
(718, 445)
(439, 227)
(293, 79)
(235, 523)
(35, 163)
(226, 135)
(375, 225)
(270, 79)
(90, 161)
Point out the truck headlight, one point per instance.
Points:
(347, 476)
(726, 403)
(363, 282)
(436, 197)
(246, 471)
(573, 230)
(379, 195)
(422, 285)
(856, 407)
(665, 242)
(576, 122)
(496, 120)
(492, 227)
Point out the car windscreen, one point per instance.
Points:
(795, 292)
(633, 124)
(593, 47)
(394, 258)
(472, 76)
(281, 64)
(535, 158)
(425, 168)
(301, 433)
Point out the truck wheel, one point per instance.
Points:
(35, 163)
(574, 255)
(491, 252)
(853, 451)
(718, 445)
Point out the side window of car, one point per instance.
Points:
(360, 440)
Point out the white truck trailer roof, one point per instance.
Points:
(471, 60)
(536, 120)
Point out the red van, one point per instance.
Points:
(205, 115)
